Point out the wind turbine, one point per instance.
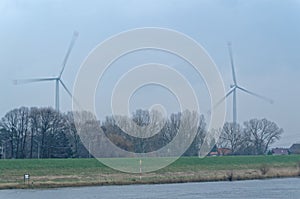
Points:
(58, 79)
(235, 86)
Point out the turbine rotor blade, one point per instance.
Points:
(74, 37)
(227, 94)
(256, 95)
(232, 64)
(221, 100)
(26, 81)
(69, 92)
(66, 88)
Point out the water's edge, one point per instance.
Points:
(93, 184)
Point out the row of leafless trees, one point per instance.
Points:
(46, 133)
(37, 133)
(252, 138)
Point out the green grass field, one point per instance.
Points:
(79, 172)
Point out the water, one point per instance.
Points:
(274, 188)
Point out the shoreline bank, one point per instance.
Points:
(150, 179)
(59, 173)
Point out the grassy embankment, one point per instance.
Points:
(46, 173)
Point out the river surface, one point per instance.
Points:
(274, 188)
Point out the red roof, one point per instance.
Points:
(224, 151)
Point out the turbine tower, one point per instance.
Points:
(58, 79)
(235, 86)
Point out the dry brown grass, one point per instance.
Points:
(150, 178)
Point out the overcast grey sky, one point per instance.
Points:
(265, 34)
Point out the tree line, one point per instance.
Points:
(45, 133)
(254, 137)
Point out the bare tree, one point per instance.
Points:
(193, 150)
(115, 134)
(15, 125)
(262, 133)
(74, 137)
(171, 128)
(35, 119)
(187, 131)
(9, 126)
(141, 117)
(89, 131)
(52, 134)
(232, 137)
(22, 131)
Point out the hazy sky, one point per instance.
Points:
(265, 35)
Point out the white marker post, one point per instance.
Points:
(26, 178)
(140, 169)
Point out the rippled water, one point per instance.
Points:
(274, 188)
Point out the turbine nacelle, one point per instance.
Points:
(234, 87)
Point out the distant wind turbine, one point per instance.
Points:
(235, 86)
(58, 79)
